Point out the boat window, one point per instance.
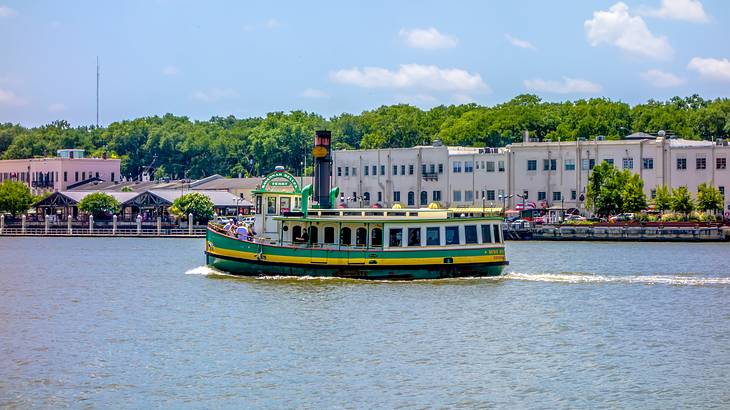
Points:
(376, 238)
(497, 236)
(329, 234)
(414, 236)
(313, 234)
(258, 205)
(470, 234)
(361, 236)
(452, 235)
(486, 234)
(345, 236)
(284, 204)
(296, 234)
(270, 205)
(433, 236)
(395, 237)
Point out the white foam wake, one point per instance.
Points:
(203, 270)
(628, 279)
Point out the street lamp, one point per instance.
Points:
(504, 199)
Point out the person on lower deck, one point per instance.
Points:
(242, 232)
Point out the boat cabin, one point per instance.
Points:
(278, 195)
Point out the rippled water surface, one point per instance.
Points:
(139, 322)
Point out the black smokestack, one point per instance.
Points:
(322, 154)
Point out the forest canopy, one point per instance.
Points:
(178, 147)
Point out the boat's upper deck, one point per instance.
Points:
(392, 215)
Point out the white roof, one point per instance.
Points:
(680, 143)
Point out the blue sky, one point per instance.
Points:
(246, 58)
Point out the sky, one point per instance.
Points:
(248, 58)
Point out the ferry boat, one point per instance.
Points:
(300, 234)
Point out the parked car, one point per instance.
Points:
(575, 218)
(519, 224)
(621, 217)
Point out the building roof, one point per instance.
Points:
(682, 143)
(240, 183)
(220, 199)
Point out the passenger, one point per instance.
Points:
(227, 226)
(251, 232)
(305, 236)
(242, 232)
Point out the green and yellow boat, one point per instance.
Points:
(363, 243)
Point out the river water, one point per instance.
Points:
(139, 323)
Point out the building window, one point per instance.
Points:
(532, 165)
(457, 196)
(490, 166)
(65, 176)
(500, 166)
(395, 169)
(402, 169)
(681, 163)
(112, 177)
(570, 165)
(375, 170)
(573, 194)
(469, 196)
(722, 190)
(541, 195)
(557, 196)
(354, 172)
(490, 195)
(410, 170)
(76, 177)
(366, 170)
(628, 163)
(436, 195)
(701, 163)
(587, 164)
(83, 176)
(382, 170)
(424, 198)
(648, 163)
(721, 163)
(457, 166)
(366, 196)
(380, 196)
(347, 171)
(396, 196)
(411, 198)
(339, 174)
(432, 168)
(441, 168)
(468, 166)
(423, 168)
(549, 164)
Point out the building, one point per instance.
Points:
(540, 174)
(60, 172)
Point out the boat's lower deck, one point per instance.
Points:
(246, 267)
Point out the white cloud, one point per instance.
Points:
(619, 28)
(519, 42)
(428, 38)
(462, 99)
(6, 11)
(566, 86)
(214, 94)
(314, 93)
(8, 97)
(269, 24)
(413, 76)
(660, 79)
(57, 107)
(687, 10)
(170, 70)
(712, 68)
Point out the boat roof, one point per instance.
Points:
(364, 215)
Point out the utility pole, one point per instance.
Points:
(97, 91)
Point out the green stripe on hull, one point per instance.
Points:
(255, 268)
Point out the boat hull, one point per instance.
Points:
(250, 259)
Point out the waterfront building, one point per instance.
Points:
(541, 174)
(58, 173)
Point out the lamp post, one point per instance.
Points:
(504, 201)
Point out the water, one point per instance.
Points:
(139, 323)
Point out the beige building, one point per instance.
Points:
(543, 173)
(58, 173)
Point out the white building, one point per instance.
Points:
(544, 173)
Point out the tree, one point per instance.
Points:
(632, 195)
(709, 198)
(682, 200)
(15, 197)
(603, 193)
(663, 198)
(193, 203)
(99, 204)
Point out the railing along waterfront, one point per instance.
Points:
(97, 232)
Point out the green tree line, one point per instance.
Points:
(178, 147)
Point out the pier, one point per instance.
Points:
(642, 233)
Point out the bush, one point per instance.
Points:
(99, 204)
(193, 203)
(671, 217)
(15, 197)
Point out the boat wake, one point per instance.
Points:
(205, 271)
(678, 280)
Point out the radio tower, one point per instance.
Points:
(97, 91)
